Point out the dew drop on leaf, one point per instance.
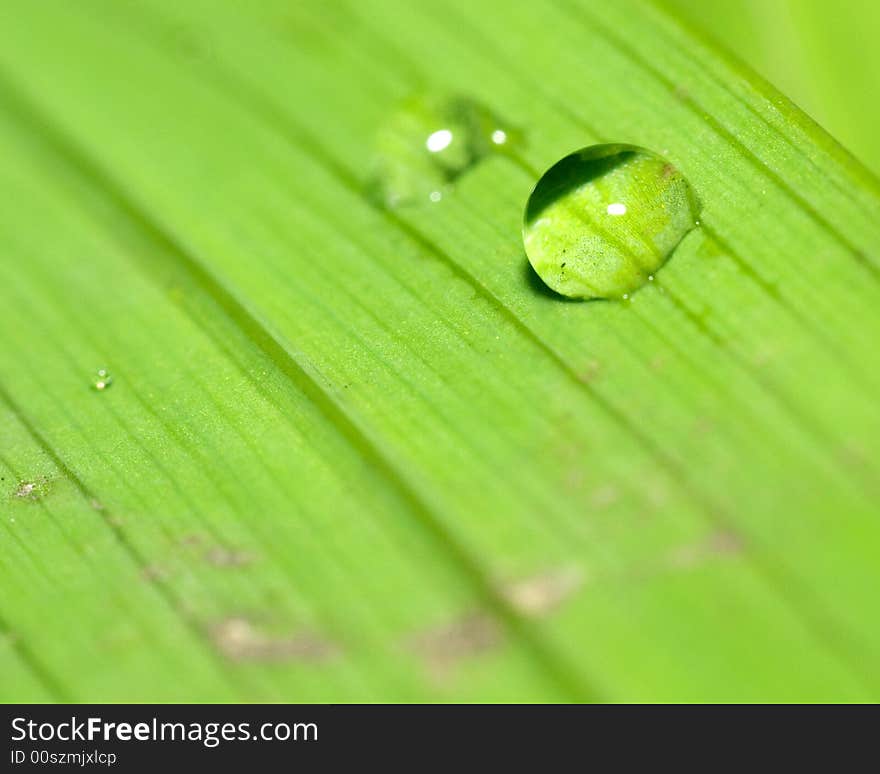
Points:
(429, 143)
(101, 380)
(602, 221)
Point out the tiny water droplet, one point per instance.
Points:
(429, 143)
(102, 380)
(602, 221)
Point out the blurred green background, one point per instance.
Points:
(823, 54)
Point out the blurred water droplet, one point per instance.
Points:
(429, 143)
(602, 221)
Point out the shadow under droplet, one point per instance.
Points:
(536, 285)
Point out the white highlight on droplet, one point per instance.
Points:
(439, 140)
(435, 196)
(617, 208)
(499, 137)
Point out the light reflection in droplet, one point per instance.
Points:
(499, 137)
(617, 208)
(439, 140)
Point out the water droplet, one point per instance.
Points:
(102, 380)
(429, 143)
(602, 221)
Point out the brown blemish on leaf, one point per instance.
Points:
(657, 363)
(465, 637)
(590, 372)
(31, 489)
(765, 354)
(720, 543)
(853, 455)
(220, 556)
(540, 595)
(703, 426)
(26, 489)
(239, 640)
(477, 632)
(574, 480)
(152, 572)
(605, 496)
(725, 542)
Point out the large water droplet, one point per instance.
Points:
(430, 142)
(602, 221)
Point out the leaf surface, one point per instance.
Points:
(360, 454)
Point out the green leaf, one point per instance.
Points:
(356, 454)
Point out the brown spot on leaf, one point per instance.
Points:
(604, 496)
(466, 636)
(657, 363)
(590, 372)
(723, 542)
(31, 489)
(681, 94)
(477, 632)
(25, 489)
(153, 572)
(239, 640)
(853, 455)
(228, 557)
(540, 595)
(703, 426)
(720, 543)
